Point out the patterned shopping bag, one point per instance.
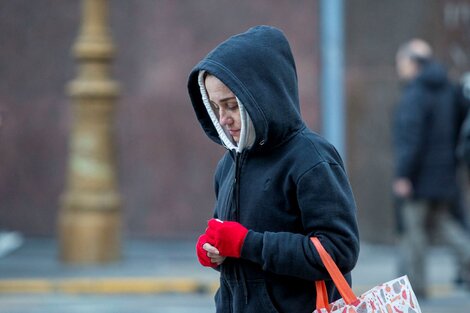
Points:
(395, 296)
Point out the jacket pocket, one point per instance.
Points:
(244, 297)
(223, 298)
(260, 298)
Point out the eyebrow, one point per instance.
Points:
(224, 99)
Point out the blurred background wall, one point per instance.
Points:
(166, 163)
(165, 160)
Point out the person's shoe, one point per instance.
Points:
(463, 279)
(458, 280)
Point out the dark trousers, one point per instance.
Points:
(414, 239)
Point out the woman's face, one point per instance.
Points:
(225, 105)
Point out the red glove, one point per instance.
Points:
(228, 237)
(201, 253)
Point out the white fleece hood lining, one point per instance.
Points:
(247, 132)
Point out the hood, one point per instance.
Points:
(258, 67)
(433, 75)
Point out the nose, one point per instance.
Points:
(225, 118)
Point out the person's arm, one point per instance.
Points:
(328, 212)
(409, 134)
(462, 103)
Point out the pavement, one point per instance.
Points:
(164, 276)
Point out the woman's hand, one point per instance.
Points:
(228, 237)
(403, 187)
(213, 254)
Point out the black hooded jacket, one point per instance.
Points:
(426, 127)
(290, 185)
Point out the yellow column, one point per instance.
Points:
(90, 218)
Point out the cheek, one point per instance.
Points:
(237, 120)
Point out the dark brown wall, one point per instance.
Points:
(35, 40)
(166, 162)
(375, 29)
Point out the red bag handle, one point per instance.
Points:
(322, 296)
(340, 282)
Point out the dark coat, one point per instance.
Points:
(463, 145)
(289, 186)
(426, 127)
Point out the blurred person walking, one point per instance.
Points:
(425, 130)
(277, 185)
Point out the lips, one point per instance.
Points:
(234, 132)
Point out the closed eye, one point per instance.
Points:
(214, 106)
(232, 106)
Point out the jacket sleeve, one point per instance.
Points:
(409, 131)
(328, 212)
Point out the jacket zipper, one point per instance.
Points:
(236, 184)
(236, 198)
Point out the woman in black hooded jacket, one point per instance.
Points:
(278, 184)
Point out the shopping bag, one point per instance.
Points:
(395, 296)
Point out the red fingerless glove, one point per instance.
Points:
(228, 237)
(201, 253)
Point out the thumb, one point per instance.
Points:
(202, 240)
